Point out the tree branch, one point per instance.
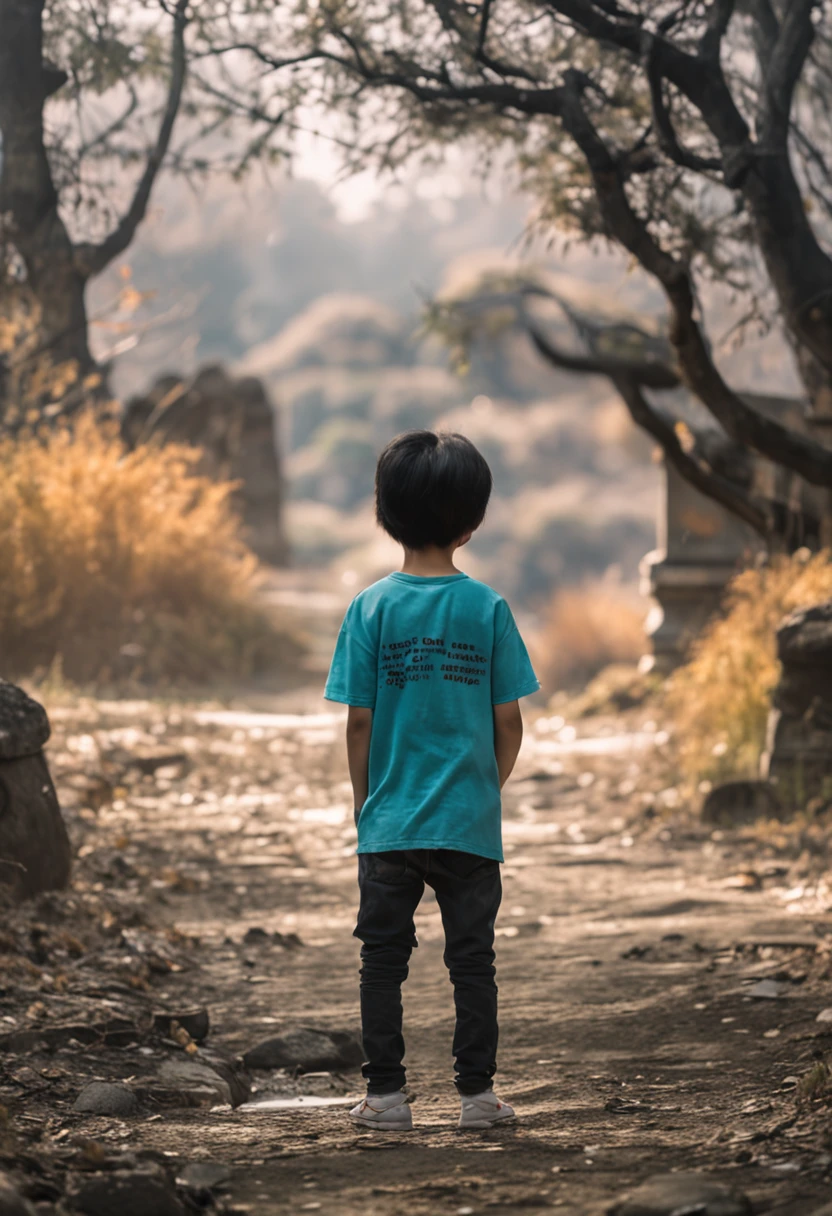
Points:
(644, 374)
(719, 18)
(113, 127)
(788, 56)
(92, 259)
(765, 29)
(663, 124)
(748, 507)
(740, 421)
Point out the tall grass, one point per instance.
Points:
(116, 563)
(585, 629)
(720, 699)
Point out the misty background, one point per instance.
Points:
(318, 288)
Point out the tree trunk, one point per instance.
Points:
(55, 353)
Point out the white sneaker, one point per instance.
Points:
(483, 1110)
(384, 1112)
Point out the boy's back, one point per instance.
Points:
(431, 656)
(431, 665)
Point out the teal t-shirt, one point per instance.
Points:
(430, 657)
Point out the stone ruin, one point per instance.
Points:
(34, 846)
(700, 544)
(233, 422)
(798, 755)
(700, 547)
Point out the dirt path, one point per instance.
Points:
(629, 943)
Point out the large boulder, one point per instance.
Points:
(35, 852)
(307, 1049)
(233, 422)
(798, 757)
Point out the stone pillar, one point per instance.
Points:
(700, 547)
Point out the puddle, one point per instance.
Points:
(296, 1103)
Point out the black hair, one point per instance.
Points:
(431, 488)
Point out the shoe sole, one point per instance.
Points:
(483, 1125)
(376, 1126)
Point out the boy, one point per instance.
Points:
(431, 665)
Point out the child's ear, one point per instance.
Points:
(463, 540)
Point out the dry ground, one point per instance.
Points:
(629, 942)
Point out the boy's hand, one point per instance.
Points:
(508, 735)
(359, 730)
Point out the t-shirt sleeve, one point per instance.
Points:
(354, 668)
(512, 675)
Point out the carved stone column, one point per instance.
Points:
(700, 547)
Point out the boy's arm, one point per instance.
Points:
(508, 735)
(359, 729)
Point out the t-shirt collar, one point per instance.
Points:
(418, 579)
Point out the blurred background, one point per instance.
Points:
(318, 289)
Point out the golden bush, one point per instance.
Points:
(117, 562)
(585, 629)
(720, 699)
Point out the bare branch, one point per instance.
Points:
(749, 507)
(645, 373)
(740, 421)
(92, 259)
(719, 18)
(482, 33)
(112, 128)
(663, 124)
(786, 62)
(765, 29)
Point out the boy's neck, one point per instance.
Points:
(430, 561)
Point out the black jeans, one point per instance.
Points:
(468, 891)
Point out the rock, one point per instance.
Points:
(196, 1021)
(675, 1194)
(825, 1015)
(24, 725)
(148, 765)
(12, 1202)
(112, 1032)
(308, 1050)
(143, 1192)
(203, 1175)
(767, 990)
(208, 1080)
(738, 802)
(255, 936)
(104, 1098)
(233, 422)
(35, 852)
(798, 755)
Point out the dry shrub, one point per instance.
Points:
(116, 563)
(584, 630)
(720, 699)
